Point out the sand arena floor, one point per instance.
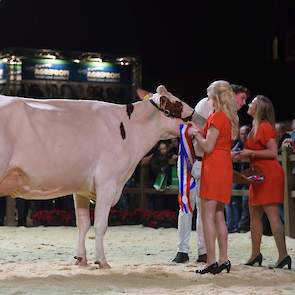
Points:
(38, 260)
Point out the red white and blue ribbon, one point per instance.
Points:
(186, 159)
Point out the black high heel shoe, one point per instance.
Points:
(225, 265)
(257, 259)
(286, 261)
(210, 269)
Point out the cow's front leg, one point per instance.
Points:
(83, 224)
(105, 198)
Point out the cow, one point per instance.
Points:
(55, 147)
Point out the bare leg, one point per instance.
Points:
(256, 229)
(277, 228)
(222, 234)
(199, 227)
(208, 210)
(83, 224)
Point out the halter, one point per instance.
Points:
(171, 109)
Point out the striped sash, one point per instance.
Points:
(186, 159)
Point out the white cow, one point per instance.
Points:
(55, 147)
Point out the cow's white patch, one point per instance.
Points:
(41, 106)
(156, 99)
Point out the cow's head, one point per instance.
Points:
(169, 104)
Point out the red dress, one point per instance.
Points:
(217, 170)
(271, 190)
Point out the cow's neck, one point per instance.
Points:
(147, 127)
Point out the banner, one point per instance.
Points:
(66, 70)
(46, 69)
(3, 72)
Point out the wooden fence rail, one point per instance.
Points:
(144, 190)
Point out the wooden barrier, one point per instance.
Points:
(287, 160)
(143, 190)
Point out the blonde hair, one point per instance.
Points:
(264, 111)
(224, 98)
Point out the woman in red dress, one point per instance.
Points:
(261, 148)
(217, 172)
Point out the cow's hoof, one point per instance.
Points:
(104, 265)
(80, 261)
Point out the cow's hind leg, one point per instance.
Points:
(106, 197)
(83, 224)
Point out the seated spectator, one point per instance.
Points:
(173, 148)
(160, 161)
(282, 134)
(173, 157)
(290, 143)
(160, 170)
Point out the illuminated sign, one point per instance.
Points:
(3, 72)
(64, 70)
(103, 72)
(46, 69)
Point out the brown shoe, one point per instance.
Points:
(202, 258)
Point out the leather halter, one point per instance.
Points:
(171, 109)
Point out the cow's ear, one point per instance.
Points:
(162, 90)
(143, 94)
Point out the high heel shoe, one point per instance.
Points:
(258, 259)
(225, 265)
(210, 269)
(286, 261)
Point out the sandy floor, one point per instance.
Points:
(38, 260)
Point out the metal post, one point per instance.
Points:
(10, 211)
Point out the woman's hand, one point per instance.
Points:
(245, 153)
(194, 132)
(235, 155)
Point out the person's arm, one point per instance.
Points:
(270, 152)
(208, 143)
(199, 120)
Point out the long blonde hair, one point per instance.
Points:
(264, 111)
(224, 98)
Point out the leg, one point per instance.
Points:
(277, 228)
(228, 216)
(184, 231)
(2, 209)
(83, 224)
(244, 223)
(256, 228)
(208, 217)
(202, 250)
(22, 206)
(196, 172)
(236, 209)
(106, 197)
(222, 234)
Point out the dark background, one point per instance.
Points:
(184, 46)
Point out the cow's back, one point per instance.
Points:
(56, 141)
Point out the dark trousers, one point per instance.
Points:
(2, 209)
(22, 207)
